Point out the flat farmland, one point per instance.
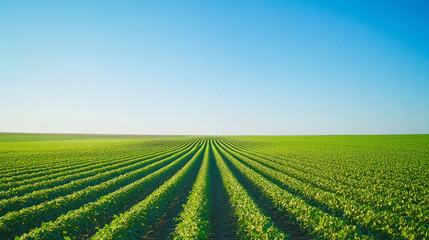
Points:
(214, 187)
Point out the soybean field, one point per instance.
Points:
(214, 187)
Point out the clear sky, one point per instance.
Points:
(214, 67)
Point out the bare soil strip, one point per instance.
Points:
(222, 220)
(165, 225)
(280, 220)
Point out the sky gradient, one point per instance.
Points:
(214, 67)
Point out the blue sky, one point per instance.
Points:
(214, 67)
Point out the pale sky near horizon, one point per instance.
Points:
(214, 67)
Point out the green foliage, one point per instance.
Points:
(132, 223)
(252, 223)
(194, 219)
(331, 187)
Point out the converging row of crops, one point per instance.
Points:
(207, 187)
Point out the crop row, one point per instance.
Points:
(78, 223)
(314, 220)
(130, 197)
(252, 223)
(193, 221)
(134, 222)
(17, 222)
(68, 176)
(383, 172)
(416, 216)
(37, 164)
(37, 197)
(65, 167)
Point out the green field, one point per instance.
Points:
(214, 187)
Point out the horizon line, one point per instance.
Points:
(178, 135)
